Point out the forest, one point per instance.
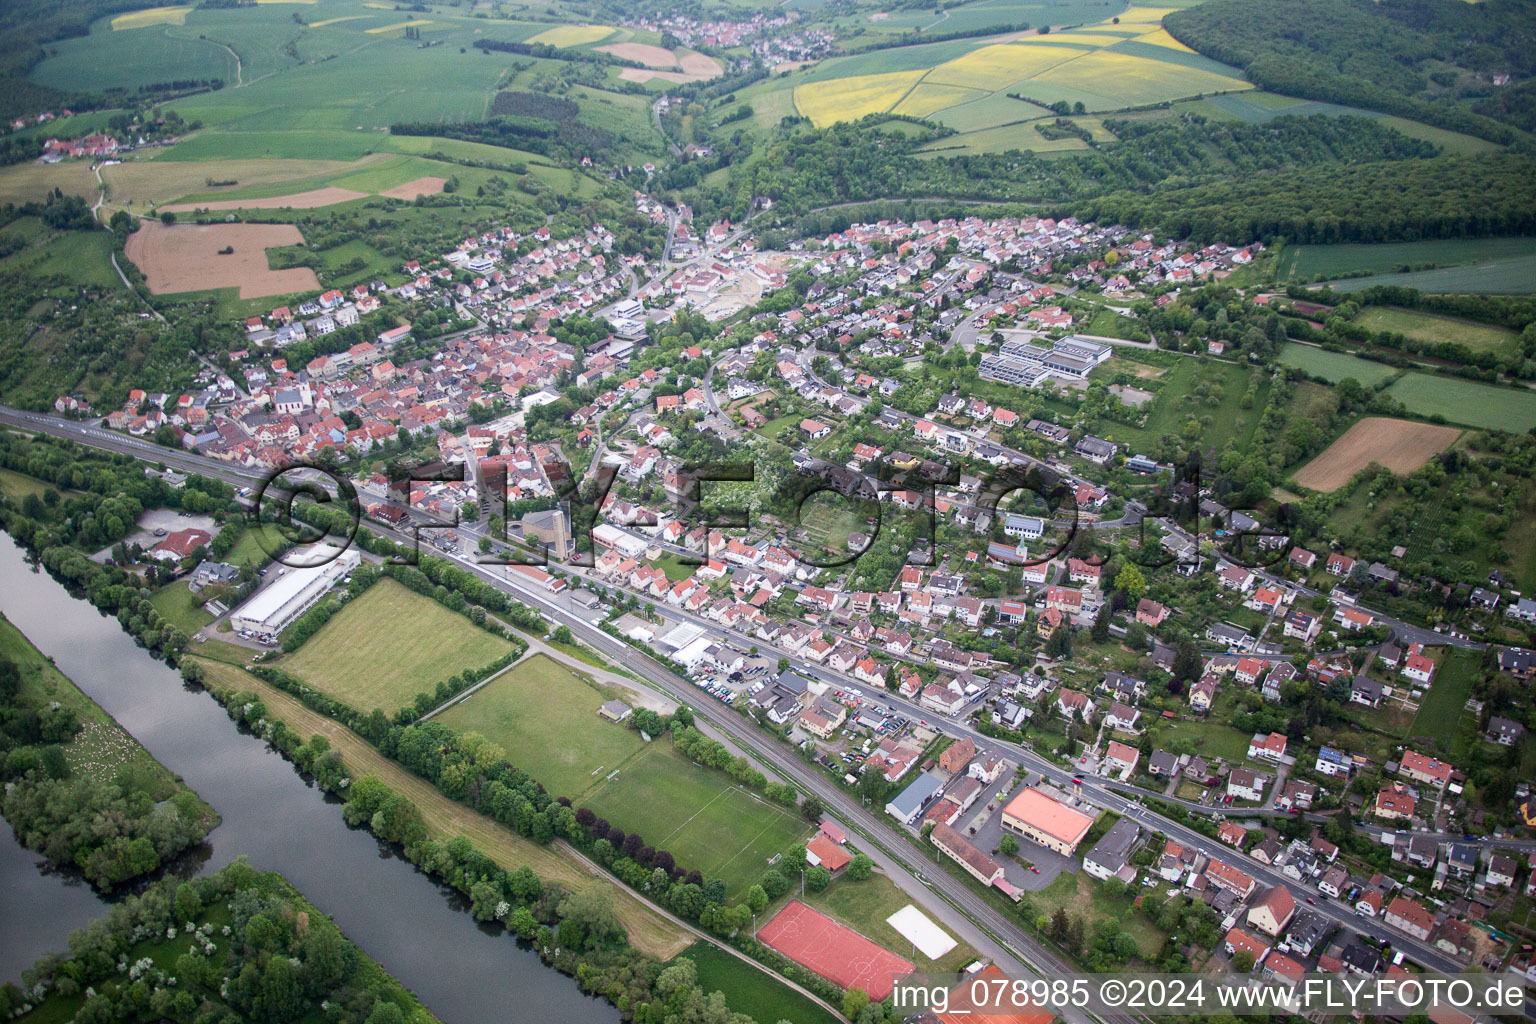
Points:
(1450, 197)
(61, 798)
(252, 948)
(1423, 59)
(804, 168)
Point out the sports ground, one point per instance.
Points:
(699, 815)
(387, 645)
(841, 955)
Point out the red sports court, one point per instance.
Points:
(841, 955)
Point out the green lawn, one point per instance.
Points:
(1333, 366)
(751, 991)
(388, 645)
(181, 607)
(247, 551)
(1430, 327)
(673, 566)
(17, 486)
(1467, 403)
(1081, 896)
(1442, 713)
(1209, 737)
(524, 709)
(102, 747)
(772, 427)
(1200, 390)
(698, 814)
(864, 907)
(1107, 323)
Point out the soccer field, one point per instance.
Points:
(535, 702)
(388, 645)
(697, 814)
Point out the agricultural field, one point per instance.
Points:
(750, 991)
(193, 257)
(1400, 445)
(389, 644)
(539, 699)
(318, 83)
(1256, 107)
(1467, 403)
(700, 815)
(1513, 276)
(1104, 66)
(82, 258)
(1306, 262)
(572, 35)
(1333, 366)
(848, 99)
(1431, 327)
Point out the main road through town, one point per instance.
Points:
(979, 922)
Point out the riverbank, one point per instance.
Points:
(445, 819)
(80, 789)
(212, 931)
(421, 932)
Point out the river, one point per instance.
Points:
(418, 929)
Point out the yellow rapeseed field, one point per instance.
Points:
(1162, 38)
(1146, 15)
(397, 26)
(572, 35)
(927, 99)
(848, 99)
(996, 67)
(150, 16)
(1134, 81)
(1090, 38)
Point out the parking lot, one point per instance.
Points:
(153, 526)
(988, 833)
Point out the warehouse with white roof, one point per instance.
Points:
(275, 607)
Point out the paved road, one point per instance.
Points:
(990, 932)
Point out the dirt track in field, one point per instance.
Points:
(296, 201)
(186, 257)
(1400, 445)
